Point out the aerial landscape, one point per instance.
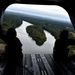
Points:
(39, 23)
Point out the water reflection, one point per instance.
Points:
(29, 46)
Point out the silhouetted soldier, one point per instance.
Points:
(13, 51)
(60, 51)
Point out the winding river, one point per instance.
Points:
(29, 46)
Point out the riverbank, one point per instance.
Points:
(29, 45)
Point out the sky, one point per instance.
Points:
(53, 12)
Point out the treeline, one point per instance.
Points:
(52, 30)
(56, 29)
(51, 26)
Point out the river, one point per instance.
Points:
(29, 46)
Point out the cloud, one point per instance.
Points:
(49, 11)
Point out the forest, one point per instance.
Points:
(37, 34)
(11, 19)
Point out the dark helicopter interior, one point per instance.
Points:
(41, 63)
